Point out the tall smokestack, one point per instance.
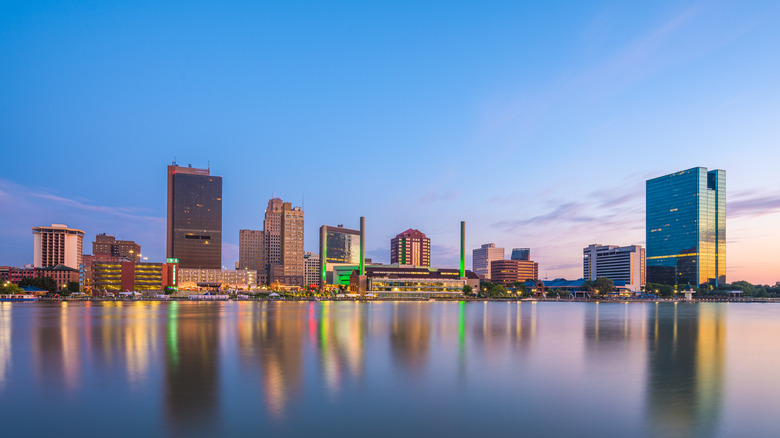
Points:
(462, 249)
(362, 245)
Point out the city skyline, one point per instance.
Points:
(562, 116)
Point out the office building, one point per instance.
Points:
(107, 244)
(686, 227)
(405, 281)
(507, 272)
(194, 227)
(410, 248)
(338, 246)
(251, 249)
(311, 269)
(521, 254)
(57, 245)
(272, 227)
(196, 279)
(624, 265)
(482, 256)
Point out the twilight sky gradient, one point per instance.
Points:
(536, 122)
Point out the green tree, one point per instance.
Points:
(73, 286)
(467, 290)
(44, 283)
(498, 291)
(588, 285)
(10, 288)
(663, 290)
(603, 285)
(748, 289)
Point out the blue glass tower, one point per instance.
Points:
(686, 227)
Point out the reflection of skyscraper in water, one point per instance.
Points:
(615, 334)
(277, 345)
(57, 349)
(5, 341)
(192, 369)
(341, 328)
(685, 369)
(410, 335)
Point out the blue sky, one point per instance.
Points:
(536, 122)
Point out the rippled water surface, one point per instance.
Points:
(388, 369)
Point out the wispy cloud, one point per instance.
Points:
(757, 205)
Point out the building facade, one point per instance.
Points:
(106, 244)
(194, 225)
(338, 246)
(57, 245)
(521, 254)
(251, 249)
(621, 264)
(686, 227)
(196, 279)
(398, 281)
(292, 245)
(510, 271)
(482, 256)
(411, 247)
(311, 267)
(272, 226)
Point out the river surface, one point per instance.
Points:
(390, 369)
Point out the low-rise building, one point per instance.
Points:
(407, 281)
(196, 279)
(510, 271)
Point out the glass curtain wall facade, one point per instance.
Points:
(686, 228)
(338, 246)
(194, 217)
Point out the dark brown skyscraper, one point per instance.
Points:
(411, 247)
(194, 233)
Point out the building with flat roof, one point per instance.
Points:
(108, 245)
(197, 279)
(482, 256)
(510, 271)
(686, 227)
(411, 247)
(311, 268)
(521, 254)
(194, 225)
(57, 245)
(624, 264)
(338, 246)
(251, 249)
(406, 281)
(130, 276)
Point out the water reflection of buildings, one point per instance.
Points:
(192, 368)
(340, 336)
(57, 346)
(685, 369)
(272, 339)
(410, 335)
(5, 341)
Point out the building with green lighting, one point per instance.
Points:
(339, 247)
(686, 228)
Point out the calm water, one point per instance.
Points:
(389, 369)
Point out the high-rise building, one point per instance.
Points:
(311, 269)
(686, 227)
(411, 247)
(511, 271)
(108, 245)
(338, 246)
(621, 264)
(272, 226)
(57, 245)
(194, 230)
(292, 244)
(521, 254)
(283, 228)
(482, 256)
(251, 249)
